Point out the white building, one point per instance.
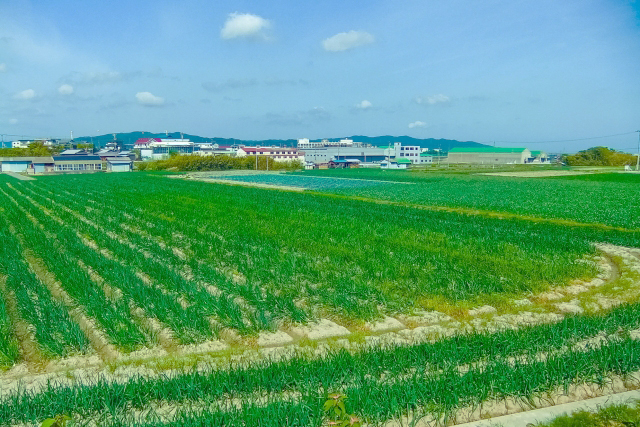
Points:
(157, 148)
(304, 143)
(278, 154)
(424, 159)
(21, 144)
(326, 151)
(399, 151)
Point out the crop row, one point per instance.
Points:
(48, 319)
(610, 199)
(381, 382)
(188, 323)
(163, 267)
(9, 350)
(329, 251)
(264, 309)
(112, 315)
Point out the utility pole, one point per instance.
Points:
(638, 160)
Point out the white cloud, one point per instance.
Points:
(65, 89)
(3, 67)
(149, 99)
(346, 41)
(433, 99)
(245, 25)
(363, 105)
(13, 121)
(417, 124)
(25, 94)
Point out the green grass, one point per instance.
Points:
(610, 416)
(625, 178)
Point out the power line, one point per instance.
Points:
(567, 140)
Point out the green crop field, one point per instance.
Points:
(141, 299)
(611, 199)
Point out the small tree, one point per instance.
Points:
(336, 411)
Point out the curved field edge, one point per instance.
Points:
(426, 379)
(303, 406)
(314, 231)
(499, 299)
(607, 199)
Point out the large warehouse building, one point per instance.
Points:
(489, 155)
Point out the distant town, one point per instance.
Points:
(117, 156)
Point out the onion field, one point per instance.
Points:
(118, 272)
(610, 199)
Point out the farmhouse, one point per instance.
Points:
(26, 164)
(70, 163)
(401, 163)
(538, 156)
(119, 164)
(489, 155)
(344, 164)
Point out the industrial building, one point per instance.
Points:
(489, 155)
(399, 151)
(157, 148)
(538, 156)
(278, 154)
(325, 151)
(425, 159)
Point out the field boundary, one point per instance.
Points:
(549, 307)
(480, 212)
(548, 413)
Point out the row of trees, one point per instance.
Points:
(35, 149)
(183, 162)
(600, 156)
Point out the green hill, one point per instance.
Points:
(129, 138)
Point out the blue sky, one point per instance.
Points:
(517, 72)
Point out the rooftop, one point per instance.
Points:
(486, 150)
(27, 159)
(76, 158)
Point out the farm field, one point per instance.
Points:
(612, 199)
(134, 299)
(307, 182)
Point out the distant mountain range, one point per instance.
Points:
(132, 137)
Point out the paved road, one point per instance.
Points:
(18, 176)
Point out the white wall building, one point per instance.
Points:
(278, 154)
(156, 148)
(20, 144)
(399, 151)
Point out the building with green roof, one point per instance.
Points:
(489, 155)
